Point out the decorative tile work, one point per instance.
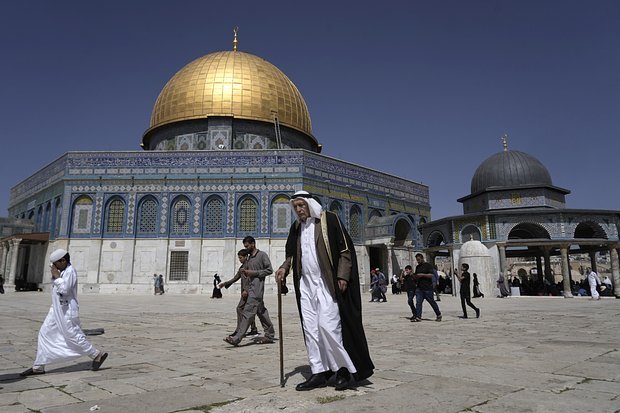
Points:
(264, 213)
(230, 213)
(131, 207)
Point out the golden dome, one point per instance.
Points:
(231, 83)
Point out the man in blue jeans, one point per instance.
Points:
(424, 276)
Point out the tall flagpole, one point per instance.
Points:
(281, 334)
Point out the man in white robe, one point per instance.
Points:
(594, 280)
(327, 289)
(61, 337)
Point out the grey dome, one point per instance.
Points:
(508, 169)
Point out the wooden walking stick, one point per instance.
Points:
(281, 335)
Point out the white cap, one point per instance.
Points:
(58, 254)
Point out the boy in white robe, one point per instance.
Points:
(61, 337)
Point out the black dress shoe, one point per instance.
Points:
(314, 382)
(97, 363)
(344, 380)
(31, 372)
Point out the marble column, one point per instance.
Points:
(390, 253)
(547, 257)
(502, 261)
(615, 270)
(14, 252)
(566, 272)
(539, 267)
(4, 250)
(593, 261)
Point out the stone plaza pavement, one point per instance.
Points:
(525, 354)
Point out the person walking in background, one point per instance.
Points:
(501, 284)
(594, 280)
(382, 281)
(395, 284)
(155, 284)
(243, 256)
(409, 283)
(217, 293)
(161, 284)
(257, 267)
(61, 337)
(321, 255)
(464, 292)
(477, 292)
(424, 291)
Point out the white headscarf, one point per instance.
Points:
(314, 207)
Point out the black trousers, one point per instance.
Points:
(465, 298)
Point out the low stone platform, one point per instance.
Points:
(525, 354)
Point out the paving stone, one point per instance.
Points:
(526, 354)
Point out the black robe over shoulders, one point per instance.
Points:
(349, 302)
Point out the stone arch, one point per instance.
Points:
(589, 229)
(528, 230)
(471, 231)
(402, 231)
(336, 208)
(435, 239)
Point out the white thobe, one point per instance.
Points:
(61, 337)
(594, 280)
(319, 310)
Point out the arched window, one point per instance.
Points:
(280, 215)
(82, 215)
(47, 219)
(355, 223)
(180, 216)
(214, 216)
(115, 216)
(58, 214)
(147, 216)
(39, 221)
(470, 232)
(336, 208)
(374, 213)
(248, 215)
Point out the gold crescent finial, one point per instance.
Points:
(235, 41)
(505, 142)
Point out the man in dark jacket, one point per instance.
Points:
(321, 255)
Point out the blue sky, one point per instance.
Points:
(418, 89)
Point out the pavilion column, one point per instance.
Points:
(390, 252)
(14, 252)
(4, 250)
(547, 257)
(593, 261)
(615, 270)
(502, 260)
(539, 267)
(566, 272)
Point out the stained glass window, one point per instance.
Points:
(180, 217)
(115, 216)
(247, 215)
(214, 215)
(82, 210)
(280, 215)
(147, 221)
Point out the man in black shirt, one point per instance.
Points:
(465, 291)
(424, 276)
(409, 286)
